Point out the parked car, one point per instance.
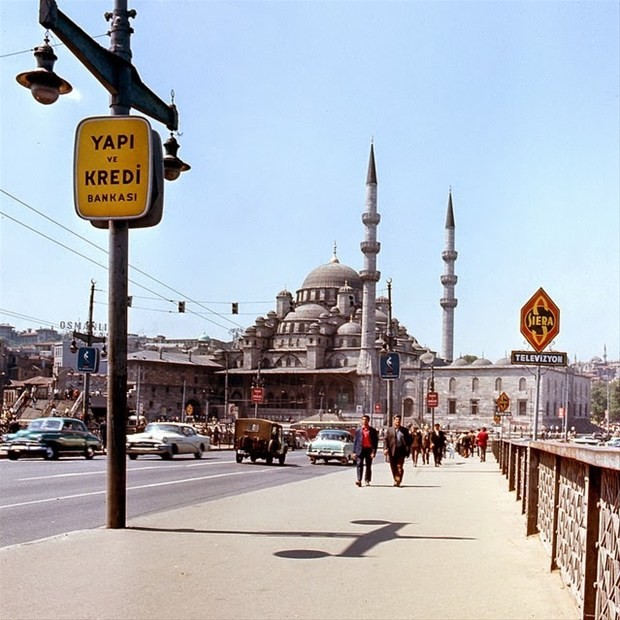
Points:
(332, 445)
(259, 439)
(587, 440)
(614, 442)
(51, 438)
(167, 439)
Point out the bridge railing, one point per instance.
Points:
(570, 496)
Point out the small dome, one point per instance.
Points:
(204, 338)
(382, 300)
(349, 329)
(285, 293)
(482, 361)
(459, 362)
(505, 361)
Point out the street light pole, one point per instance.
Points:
(113, 68)
(389, 348)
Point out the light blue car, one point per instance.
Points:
(332, 445)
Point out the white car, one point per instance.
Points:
(167, 439)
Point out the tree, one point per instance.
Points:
(598, 401)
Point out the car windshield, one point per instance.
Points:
(163, 428)
(48, 424)
(334, 436)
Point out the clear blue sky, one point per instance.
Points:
(514, 105)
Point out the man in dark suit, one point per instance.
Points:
(396, 446)
(365, 447)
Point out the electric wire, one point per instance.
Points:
(136, 269)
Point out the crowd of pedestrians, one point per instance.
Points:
(400, 443)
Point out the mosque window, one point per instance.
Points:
(522, 384)
(475, 383)
(452, 385)
(498, 384)
(452, 406)
(354, 343)
(522, 407)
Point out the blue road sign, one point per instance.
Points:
(390, 365)
(88, 359)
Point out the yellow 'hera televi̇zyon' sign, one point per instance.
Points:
(112, 176)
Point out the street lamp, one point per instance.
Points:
(113, 68)
(43, 83)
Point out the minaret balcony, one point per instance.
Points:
(370, 218)
(367, 275)
(449, 279)
(370, 247)
(449, 255)
(448, 302)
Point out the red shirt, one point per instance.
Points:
(366, 443)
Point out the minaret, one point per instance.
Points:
(448, 279)
(367, 365)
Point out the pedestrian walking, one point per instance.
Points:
(482, 439)
(397, 445)
(426, 446)
(365, 446)
(438, 443)
(416, 444)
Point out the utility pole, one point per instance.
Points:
(89, 339)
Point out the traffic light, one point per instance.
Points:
(181, 306)
(235, 307)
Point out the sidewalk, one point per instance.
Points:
(449, 544)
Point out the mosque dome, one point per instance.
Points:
(204, 338)
(350, 329)
(482, 361)
(333, 275)
(459, 362)
(504, 361)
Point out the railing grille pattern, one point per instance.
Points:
(572, 526)
(546, 497)
(608, 572)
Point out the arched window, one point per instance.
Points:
(452, 384)
(498, 384)
(522, 384)
(475, 383)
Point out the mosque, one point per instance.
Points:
(319, 353)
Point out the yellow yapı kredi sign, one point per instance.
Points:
(113, 168)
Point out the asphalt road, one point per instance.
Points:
(41, 498)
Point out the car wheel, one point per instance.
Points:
(167, 456)
(344, 460)
(51, 453)
(269, 459)
(12, 456)
(312, 460)
(198, 453)
(281, 459)
(133, 457)
(238, 458)
(89, 453)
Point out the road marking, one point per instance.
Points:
(103, 471)
(136, 488)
